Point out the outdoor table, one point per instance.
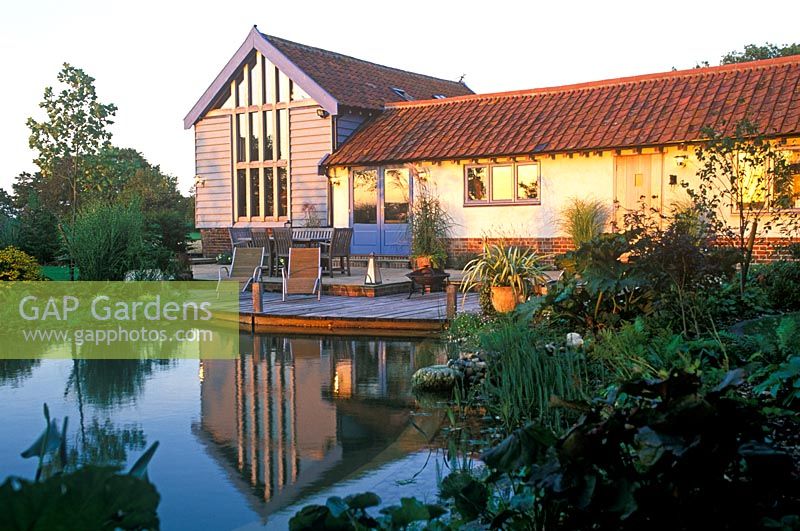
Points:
(310, 242)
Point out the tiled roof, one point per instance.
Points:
(357, 83)
(650, 110)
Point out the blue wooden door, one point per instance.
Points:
(380, 211)
(394, 218)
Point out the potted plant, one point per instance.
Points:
(429, 227)
(510, 271)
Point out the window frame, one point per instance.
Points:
(490, 201)
(270, 75)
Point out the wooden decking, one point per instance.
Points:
(390, 314)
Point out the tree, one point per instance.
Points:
(75, 128)
(754, 52)
(748, 175)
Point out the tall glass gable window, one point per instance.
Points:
(502, 184)
(259, 100)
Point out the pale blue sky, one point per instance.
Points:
(154, 59)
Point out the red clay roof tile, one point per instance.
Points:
(655, 109)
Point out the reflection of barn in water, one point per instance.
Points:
(292, 415)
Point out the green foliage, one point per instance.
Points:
(92, 497)
(351, 513)
(18, 265)
(525, 370)
(38, 232)
(75, 128)
(89, 497)
(584, 219)
(783, 382)
(504, 265)
(657, 451)
(781, 284)
(429, 226)
(107, 241)
(755, 52)
(601, 288)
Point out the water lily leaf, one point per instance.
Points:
(363, 500)
(309, 518)
(410, 510)
(336, 506)
(139, 468)
(524, 446)
(47, 442)
(107, 500)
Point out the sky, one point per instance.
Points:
(154, 59)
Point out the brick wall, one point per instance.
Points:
(459, 247)
(765, 250)
(215, 241)
(768, 250)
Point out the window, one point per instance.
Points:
(439, 96)
(502, 184)
(255, 195)
(283, 134)
(269, 135)
(402, 93)
(477, 183)
(299, 94)
(528, 182)
(794, 170)
(284, 88)
(261, 141)
(255, 126)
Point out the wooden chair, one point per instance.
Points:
(246, 266)
(304, 274)
(240, 236)
(339, 247)
(261, 238)
(282, 237)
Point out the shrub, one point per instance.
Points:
(781, 283)
(38, 233)
(584, 219)
(107, 241)
(18, 265)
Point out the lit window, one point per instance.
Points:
(508, 183)
(502, 183)
(261, 179)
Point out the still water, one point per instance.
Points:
(244, 443)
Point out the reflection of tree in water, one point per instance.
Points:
(109, 383)
(103, 443)
(106, 384)
(14, 372)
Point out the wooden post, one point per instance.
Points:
(452, 300)
(257, 301)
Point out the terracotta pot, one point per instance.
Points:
(504, 299)
(422, 261)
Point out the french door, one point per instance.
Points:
(380, 211)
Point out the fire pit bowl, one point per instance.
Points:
(427, 277)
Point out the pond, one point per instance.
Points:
(244, 443)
